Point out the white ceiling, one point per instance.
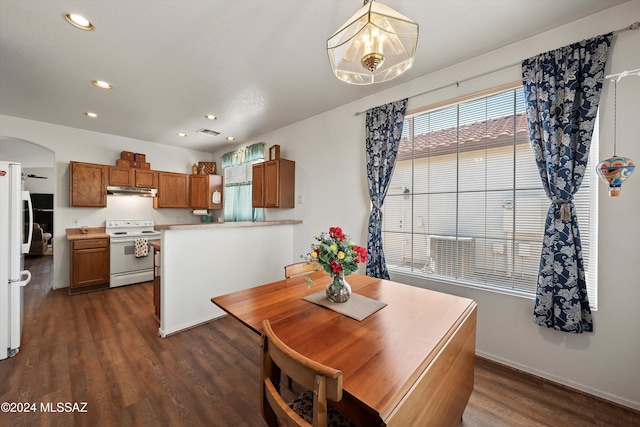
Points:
(256, 64)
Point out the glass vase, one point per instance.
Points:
(338, 290)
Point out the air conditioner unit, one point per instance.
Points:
(452, 256)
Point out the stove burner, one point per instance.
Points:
(148, 231)
(120, 232)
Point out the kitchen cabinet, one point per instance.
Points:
(145, 178)
(129, 177)
(173, 190)
(121, 177)
(87, 185)
(89, 264)
(273, 184)
(205, 191)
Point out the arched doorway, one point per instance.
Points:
(38, 167)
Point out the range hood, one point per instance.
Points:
(132, 191)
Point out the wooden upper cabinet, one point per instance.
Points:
(121, 177)
(257, 192)
(88, 185)
(145, 178)
(205, 191)
(274, 184)
(173, 190)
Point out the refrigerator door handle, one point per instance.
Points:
(24, 281)
(27, 198)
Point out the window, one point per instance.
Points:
(466, 204)
(238, 166)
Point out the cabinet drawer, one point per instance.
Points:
(90, 243)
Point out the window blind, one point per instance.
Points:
(466, 203)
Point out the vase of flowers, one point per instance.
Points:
(336, 253)
(338, 290)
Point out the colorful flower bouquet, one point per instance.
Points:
(336, 253)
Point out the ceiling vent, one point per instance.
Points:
(208, 132)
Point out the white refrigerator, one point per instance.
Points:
(16, 229)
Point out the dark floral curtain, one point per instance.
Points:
(383, 132)
(562, 90)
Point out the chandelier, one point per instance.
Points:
(376, 45)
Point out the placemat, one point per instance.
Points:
(357, 307)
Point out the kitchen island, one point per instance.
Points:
(198, 261)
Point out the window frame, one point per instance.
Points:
(590, 265)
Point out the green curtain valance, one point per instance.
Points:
(243, 155)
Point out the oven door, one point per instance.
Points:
(125, 267)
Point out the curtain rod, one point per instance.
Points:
(633, 26)
(619, 76)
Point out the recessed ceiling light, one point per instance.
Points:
(211, 117)
(92, 115)
(183, 135)
(101, 84)
(79, 21)
(230, 138)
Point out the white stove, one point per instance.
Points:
(130, 229)
(131, 256)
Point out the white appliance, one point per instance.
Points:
(15, 204)
(129, 264)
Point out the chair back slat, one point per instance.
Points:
(299, 268)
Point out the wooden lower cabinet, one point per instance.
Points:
(89, 265)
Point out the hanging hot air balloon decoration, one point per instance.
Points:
(616, 169)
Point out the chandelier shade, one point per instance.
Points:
(376, 45)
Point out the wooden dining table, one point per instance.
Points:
(411, 363)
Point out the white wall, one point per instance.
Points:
(80, 145)
(331, 176)
(41, 185)
(201, 263)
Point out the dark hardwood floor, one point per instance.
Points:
(102, 348)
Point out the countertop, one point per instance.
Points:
(92, 233)
(226, 224)
(99, 233)
(155, 244)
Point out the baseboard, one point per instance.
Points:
(166, 333)
(561, 382)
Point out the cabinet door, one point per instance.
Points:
(146, 178)
(88, 185)
(120, 177)
(90, 263)
(257, 190)
(199, 191)
(202, 189)
(271, 184)
(173, 190)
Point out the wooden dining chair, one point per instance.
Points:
(310, 408)
(299, 268)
